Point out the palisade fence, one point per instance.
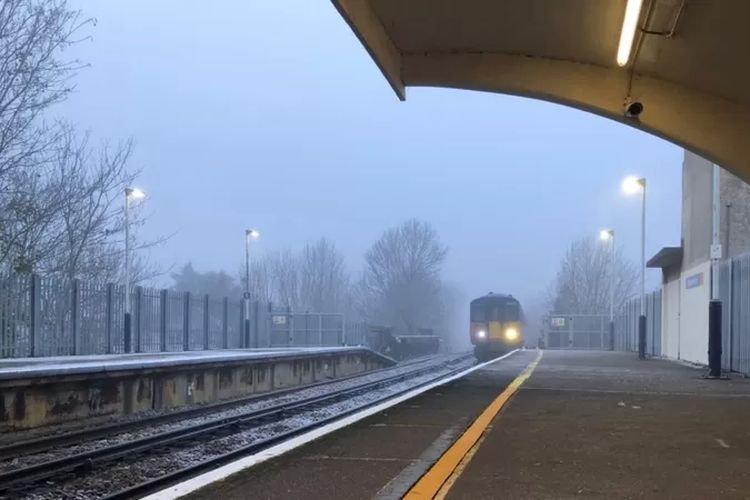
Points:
(576, 331)
(734, 292)
(591, 331)
(44, 316)
(626, 325)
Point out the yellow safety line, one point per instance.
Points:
(430, 484)
(448, 484)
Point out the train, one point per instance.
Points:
(496, 325)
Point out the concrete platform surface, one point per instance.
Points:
(606, 425)
(381, 456)
(69, 365)
(585, 425)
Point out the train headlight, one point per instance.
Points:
(481, 334)
(511, 334)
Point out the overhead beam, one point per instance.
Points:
(368, 28)
(715, 128)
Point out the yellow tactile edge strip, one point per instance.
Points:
(452, 462)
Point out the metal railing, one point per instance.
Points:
(45, 316)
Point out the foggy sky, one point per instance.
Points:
(271, 115)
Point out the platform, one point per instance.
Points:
(607, 425)
(43, 391)
(585, 424)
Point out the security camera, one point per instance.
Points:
(633, 109)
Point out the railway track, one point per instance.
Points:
(25, 479)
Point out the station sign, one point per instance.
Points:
(278, 320)
(694, 281)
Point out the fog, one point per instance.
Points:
(271, 115)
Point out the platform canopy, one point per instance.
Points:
(689, 65)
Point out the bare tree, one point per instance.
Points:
(275, 278)
(66, 218)
(401, 279)
(323, 278)
(90, 217)
(583, 282)
(285, 280)
(60, 200)
(29, 205)
(313, 279)
(33, 75)
(260, 280)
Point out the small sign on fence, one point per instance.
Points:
(278, 320)
(557, 322)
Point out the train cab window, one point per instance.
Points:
(510, 312)
(478, 314)
(494, 312)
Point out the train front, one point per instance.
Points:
(495, 327)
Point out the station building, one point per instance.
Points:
(686, 269)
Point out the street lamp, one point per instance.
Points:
(130, 195)
(632, 185)
(608, 235)
(250, 234)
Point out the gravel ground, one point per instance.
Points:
(116, 476)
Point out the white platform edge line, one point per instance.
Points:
(223, 472)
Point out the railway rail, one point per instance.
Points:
(88, 464)
(47, 442)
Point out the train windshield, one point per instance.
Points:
(478, 313)
(510, 312)
(483, 312)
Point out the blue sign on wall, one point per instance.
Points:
(694, 281)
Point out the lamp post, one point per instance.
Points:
(633, 185)
(130, 194)
(608, 235)
(250, 234)
(715, 306)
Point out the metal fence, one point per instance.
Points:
(734, 292)
(591, 331)
(576, 331)
(626, 325)
(286, 328)
(44, 316)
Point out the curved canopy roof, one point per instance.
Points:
(689, 66)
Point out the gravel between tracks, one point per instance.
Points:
(116, 476)
(127, 436)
